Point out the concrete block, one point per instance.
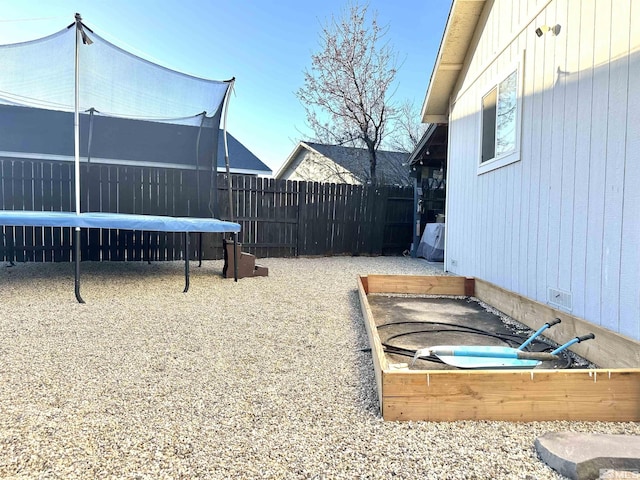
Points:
(587, 456)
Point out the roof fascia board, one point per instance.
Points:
(440, 67)
(283, 168)
(423, 141)
(435, 119)
(243, 171)
(437, 62)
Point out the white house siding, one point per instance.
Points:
(310, 166)
(567, 215)
(293, 171)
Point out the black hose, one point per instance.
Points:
(511, 340)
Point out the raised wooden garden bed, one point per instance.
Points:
(610, 392)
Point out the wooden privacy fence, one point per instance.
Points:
(278, 218)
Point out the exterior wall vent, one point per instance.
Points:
(559, 298)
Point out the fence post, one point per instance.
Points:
(381, 194)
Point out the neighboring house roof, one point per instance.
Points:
(241, 159)
(48, 135)
(351, 165)
(458, 34)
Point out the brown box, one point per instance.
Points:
(246, 263)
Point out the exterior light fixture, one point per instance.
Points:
(555, 30)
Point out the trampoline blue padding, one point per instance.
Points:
(123, 221)
(154, 223)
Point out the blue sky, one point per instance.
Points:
(265, 45)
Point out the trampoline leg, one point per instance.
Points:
(77, 265)
(148, 249)
(9, 252)
(235, 259)
(186, 262)
(199, 249)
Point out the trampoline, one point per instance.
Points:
(145, 223)
(116, 84)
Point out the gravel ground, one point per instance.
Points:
(263, 378)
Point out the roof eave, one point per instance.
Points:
(458, 34)
(245, 171)
(438, 119)
(287, 163)
(423, 141)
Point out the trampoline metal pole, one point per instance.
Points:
(226, 147)
(76, 144)
(186, 262)
(235, 257)
(76, 118)
(77, 264)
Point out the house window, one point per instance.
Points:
(500, 127)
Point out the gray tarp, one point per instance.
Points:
(431, 245)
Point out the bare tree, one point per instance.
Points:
(407, 128)
(346, 92)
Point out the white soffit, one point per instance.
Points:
(461, 25)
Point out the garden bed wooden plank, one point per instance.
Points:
(598, 394)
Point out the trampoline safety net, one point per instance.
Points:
(130, 111)
(41, 74)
